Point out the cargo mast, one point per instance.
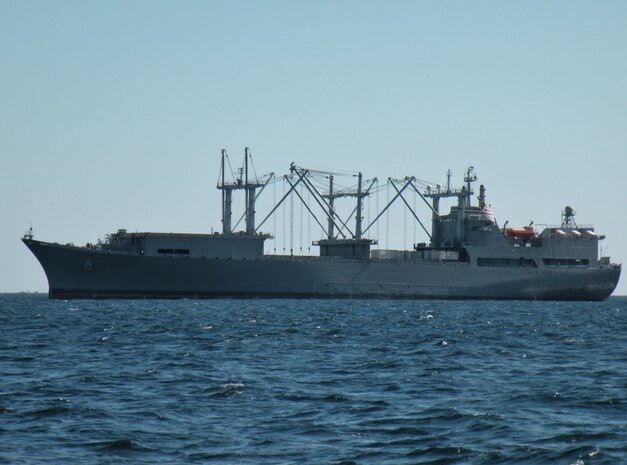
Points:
(358, 216)
(242, 181)
(331, 197)
(227, 196)
(250, 197)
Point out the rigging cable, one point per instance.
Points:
(250, 155)
(378, 237)
(387, 218)
(308, 224)
(283, 216)
(291, 225)
(404, 229)
(274, 217)
(300, 240)
(228, 160)
(413, 227)
(368, 209)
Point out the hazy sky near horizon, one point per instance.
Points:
(113, 114)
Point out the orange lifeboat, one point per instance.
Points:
(525, 231)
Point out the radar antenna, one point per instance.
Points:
(481, 197)
(470, 177)
(568, 218)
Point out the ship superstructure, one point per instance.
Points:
(468, 255)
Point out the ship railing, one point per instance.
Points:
(588, 227)
(317, 258)
(435, 192)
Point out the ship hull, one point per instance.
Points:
(82, 273)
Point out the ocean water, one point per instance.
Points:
(312, 381)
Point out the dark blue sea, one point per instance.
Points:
(312, 382)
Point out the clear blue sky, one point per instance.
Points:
(113, 114)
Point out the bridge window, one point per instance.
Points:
(509, 262)
(174, 251)
(566, 261)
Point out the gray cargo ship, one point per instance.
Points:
(468, 255)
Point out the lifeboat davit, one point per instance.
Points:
(525, 231)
